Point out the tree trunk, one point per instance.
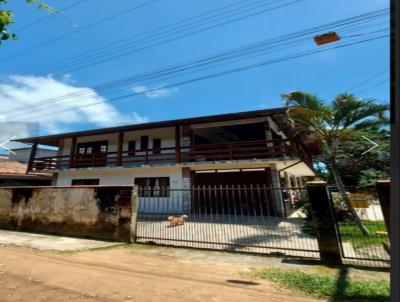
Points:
(340, 186)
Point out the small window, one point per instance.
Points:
(103, 148)
(153, 186)
(81, 151)
(89, 150)
(156, 146)
(85, 182)
(131, 148)
(144, 143)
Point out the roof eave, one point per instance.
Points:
(53, 140)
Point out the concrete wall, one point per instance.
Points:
(126, 176)
(101, 213)
(121, 176)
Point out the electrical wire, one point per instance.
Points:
(61, 37)
(34, 23)
(230, 71)
(228, 57)
(92, 59)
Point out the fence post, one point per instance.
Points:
(383, 190)
(324, 223)
(135, 207)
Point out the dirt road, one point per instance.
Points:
(127, 274)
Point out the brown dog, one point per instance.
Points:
(174, 221)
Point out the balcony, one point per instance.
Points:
(264, 149)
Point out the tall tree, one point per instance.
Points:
(358, 169)
(332, 124)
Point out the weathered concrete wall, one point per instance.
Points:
(92, 212)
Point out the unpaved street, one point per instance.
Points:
(129, 274)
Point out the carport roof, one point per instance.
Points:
(53, 140)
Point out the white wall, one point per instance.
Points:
(126, 176)
(167, 136)
(120, 176)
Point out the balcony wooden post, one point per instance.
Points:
(178, 158)
(32, 157)
(230, 146)
(72, 152)
(120, 147)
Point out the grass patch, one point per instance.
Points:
(328, 287)
(349, 231)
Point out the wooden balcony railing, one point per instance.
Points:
(196, 153)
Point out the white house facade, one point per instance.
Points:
(238, 149)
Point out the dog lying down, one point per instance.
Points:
(174, 221)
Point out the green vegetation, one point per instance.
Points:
(7, 17)
(350, 232)
(342, 120)
(325, 286)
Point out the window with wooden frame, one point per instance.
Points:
(89, 154)
(156, 146)
(131, 148)
(85, 182)
(144, 143)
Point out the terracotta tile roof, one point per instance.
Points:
(9, 166)
(12, 168)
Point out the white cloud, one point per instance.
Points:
(154, 93)
(21, 103)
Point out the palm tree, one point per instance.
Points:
(332, 123)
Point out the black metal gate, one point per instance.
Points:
(242, 218)
(356, 247)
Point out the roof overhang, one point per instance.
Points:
(53, 140)
(297, 168)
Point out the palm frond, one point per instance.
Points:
(304, 100)
(350, 111)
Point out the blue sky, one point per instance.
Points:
(324, 74)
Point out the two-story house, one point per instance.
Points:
(238, 149)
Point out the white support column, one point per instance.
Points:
(276, 184)
(295, 182)
(186, 186)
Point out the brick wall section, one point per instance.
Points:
(98, 213)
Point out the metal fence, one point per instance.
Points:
(256, 219)
(357, 247)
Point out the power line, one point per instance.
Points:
(32, 24)
(227, 57)
(231, 71)
(368, 79)
(249, 51)
(165, 34)
(118, 52)
(373, 86)
(45, 43)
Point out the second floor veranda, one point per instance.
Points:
(276, 149)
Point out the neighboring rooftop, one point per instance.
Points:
(10, 168)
